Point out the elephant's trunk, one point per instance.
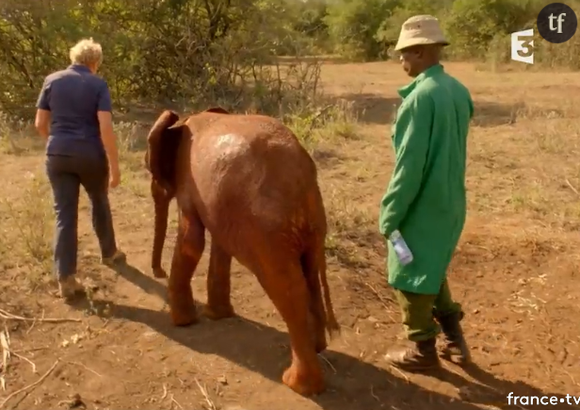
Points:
(161, 199)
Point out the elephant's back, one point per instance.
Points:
(253, 169)
(252, 150)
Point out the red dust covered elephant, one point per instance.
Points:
(249, 182)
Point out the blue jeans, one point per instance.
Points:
(66, 174)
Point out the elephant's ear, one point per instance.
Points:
(162, 144)
(217, 110)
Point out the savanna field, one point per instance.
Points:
(514, 271)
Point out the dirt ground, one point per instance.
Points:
(514, 273)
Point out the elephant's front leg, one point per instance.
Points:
(188, 250)
(219, 305)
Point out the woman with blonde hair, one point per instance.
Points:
(74, 116)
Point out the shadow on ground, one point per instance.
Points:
(282, 60)
(354, 385)
(376, 109)
(373, 108)
(491, 114)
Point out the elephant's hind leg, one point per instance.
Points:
(286, 286)
(219, 305)
(188, 250)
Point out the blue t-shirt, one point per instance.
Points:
(74, 96)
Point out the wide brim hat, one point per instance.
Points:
(420, 30)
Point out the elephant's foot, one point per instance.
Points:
(306, 379)
(218, 312)
(159, 272)
(183, 317)
(182, 310)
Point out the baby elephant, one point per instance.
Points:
(249, 182)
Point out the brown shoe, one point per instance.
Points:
(70, 288)
(421, 356)
(454, 348)
(118, 257)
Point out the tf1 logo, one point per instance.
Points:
(557, 23)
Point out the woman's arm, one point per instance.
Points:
(108, 135)
(42, 120)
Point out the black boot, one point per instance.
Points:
(421, 356)
(455, 348)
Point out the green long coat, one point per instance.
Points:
(426, 199)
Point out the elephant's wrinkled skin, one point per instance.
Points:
(249, 182)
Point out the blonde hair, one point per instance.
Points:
(86, 52)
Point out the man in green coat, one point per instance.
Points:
(425, 200)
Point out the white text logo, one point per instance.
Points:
(560, 20)
(523, 45)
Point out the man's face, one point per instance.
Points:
(412, 60)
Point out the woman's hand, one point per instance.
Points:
(114, 178)
(110, 143)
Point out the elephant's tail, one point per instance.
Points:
(332, 326)
(314, 268)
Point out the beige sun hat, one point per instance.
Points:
(418, 30)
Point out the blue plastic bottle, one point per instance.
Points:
(401, 249)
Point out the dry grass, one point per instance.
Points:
(514, 270)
